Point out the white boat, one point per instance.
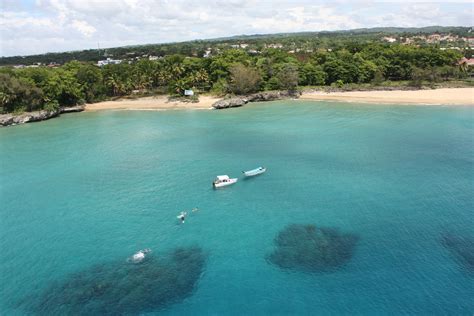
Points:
(140, 255)
(254, 172)
(222, 181)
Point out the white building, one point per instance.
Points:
(274, 45)
(108, 61)
(389, 39)
(207, 53)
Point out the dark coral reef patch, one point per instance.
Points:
(462, 250)
(312, 249)
(124, 288)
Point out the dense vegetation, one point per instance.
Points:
(234, 71)
(289, 41)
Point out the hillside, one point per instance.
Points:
(253, 44)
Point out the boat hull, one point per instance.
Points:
(224, 183)
(254, 172)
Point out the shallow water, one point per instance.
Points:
(90, 189)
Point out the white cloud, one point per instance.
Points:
(59, 25)
(85, 28)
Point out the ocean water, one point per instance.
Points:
(82, 193)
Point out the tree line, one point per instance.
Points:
(233, 71)
(288, 41)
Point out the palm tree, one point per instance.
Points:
(463, 66)
(141, 81)
(177, 71)
(180, 85)
(113, 82)
(200, 78)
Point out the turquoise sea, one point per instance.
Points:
(82, 193)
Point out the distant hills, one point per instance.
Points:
(255, 42)
(461, 30)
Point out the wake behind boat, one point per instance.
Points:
(222, 181)
(254, 172)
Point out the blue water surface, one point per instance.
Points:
(90, 189)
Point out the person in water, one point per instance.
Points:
(182, 217)
(195, 209)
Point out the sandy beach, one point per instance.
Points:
(452, 96)
(151, 103)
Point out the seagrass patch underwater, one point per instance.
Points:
(124, 287)
(461, 248)
(312, 249)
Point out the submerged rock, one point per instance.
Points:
(312, 249)
(124, 288)
(462, 249)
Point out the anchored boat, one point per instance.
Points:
(254, 172)
(222, 181)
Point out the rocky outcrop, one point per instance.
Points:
(70, 109)
(273, 95)
(14, 119)
(256, 97)
(230, 103)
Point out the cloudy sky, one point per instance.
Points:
(40, 26)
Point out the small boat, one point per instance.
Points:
(254, 172)
(222, 181)
(140, 255)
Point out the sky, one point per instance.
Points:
(40, 26)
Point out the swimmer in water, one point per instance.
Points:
(182, 216)
(195, 209)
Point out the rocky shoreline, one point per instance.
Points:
(27, 117)
(256, 97)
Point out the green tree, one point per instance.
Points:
(62, 88)
(311, 75)
(378, 77)
(118, 79)
(91, 81)
(288, 77)
(19, 94)
(367, 70)
(417, 77)
(244, 79)
(273, 84)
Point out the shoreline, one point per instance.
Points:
(11, 119)
(443, 96)
(439, 97)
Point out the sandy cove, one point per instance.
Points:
(446, 96)
(152, 103)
